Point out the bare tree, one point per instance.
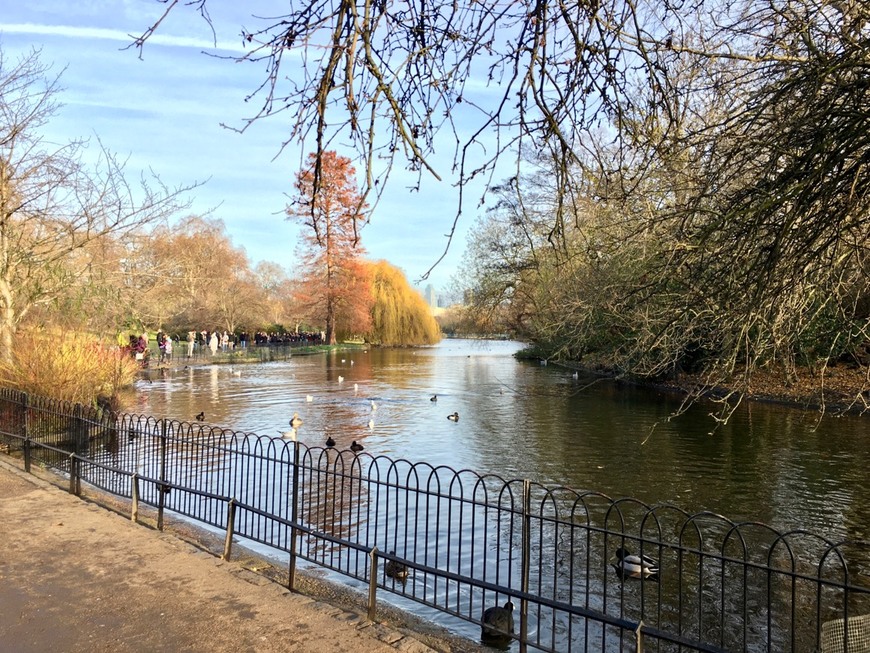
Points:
(52, 207)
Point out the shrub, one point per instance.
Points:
(69, 366)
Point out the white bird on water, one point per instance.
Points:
(374, 406)
(341, 379)
(309, 398)
(289, 435)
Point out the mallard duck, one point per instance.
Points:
(497, 624)
(356, 446)
(330, 443)
(395, 569)
(454, 417)
(295, 421)
(635, 566)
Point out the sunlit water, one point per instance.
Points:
(770, 463)
(523, 420)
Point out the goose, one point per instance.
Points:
(200, 417)
(497, 624)
(635, 566)
(434, 398)
(355, 446)
(295, 421)
(395, 569)
(454, 417)
(330, 443)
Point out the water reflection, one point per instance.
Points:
(769, 463)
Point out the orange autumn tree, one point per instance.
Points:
(334, 285)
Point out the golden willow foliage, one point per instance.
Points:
(400, 315)
(68, 366)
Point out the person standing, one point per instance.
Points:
(213, 343)
(191, 340)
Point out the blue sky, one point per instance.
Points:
(163, 112)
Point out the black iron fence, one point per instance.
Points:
(456, 542)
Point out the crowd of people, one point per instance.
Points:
(211, 342)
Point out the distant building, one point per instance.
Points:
(431, 297)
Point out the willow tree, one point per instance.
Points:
(400, 315)
(331, 210)
(54, 208)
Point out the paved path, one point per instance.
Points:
(78, 577)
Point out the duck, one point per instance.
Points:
(454, 417)
(635, 566)
(356, 446)
(295, 421)
(201, 417)
(497, 624)
(434, 398)
(330, 443)
(395, 569)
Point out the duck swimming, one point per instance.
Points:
(355, 446)
(454, 417)
(330, 443)
(497, 625)
(200, 417)
(395, 569)
(295, 421)
(635, 566)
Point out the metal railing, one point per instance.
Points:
(457, 542)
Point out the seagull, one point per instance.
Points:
(341, 379)
(374, 406)
(635, 566)
(309, 398)
(454, 417)
(200, 417)
(396, 569)
(330, 443)
(295, 421)
(497, 624)
(289, 435)
(355, 446)
(371, 425)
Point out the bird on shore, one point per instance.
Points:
(454, 417)
(635, 566)
(356, 446)
(497, 624)
(395, 569)
(434, 398)
(330, 443)
(295, 421)
(200, 417)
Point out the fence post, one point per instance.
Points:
(294, 514)
(79, 430)
(74, 486)
(134, 494)
(373, 584)
(231, 524)
(161, 495)
(526, 563)
(26, 408)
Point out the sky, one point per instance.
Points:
(163, 112)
